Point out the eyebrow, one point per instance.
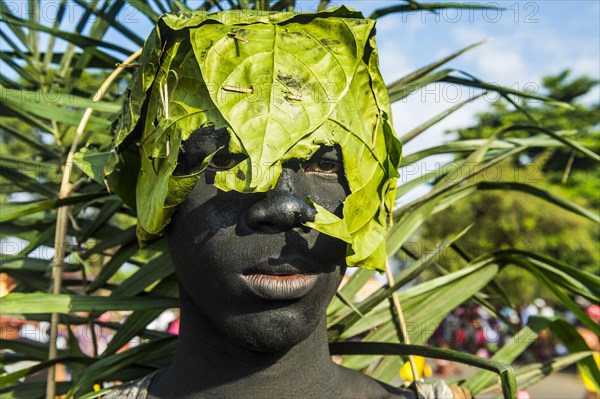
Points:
(328, 150)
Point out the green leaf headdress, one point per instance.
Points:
(282, 84)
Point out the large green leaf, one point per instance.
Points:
(273, 69)
(91, 162)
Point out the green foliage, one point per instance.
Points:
(107, 270)
(559, 165)
(513, 220)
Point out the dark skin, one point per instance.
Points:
(255, 284)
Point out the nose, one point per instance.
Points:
(281, 209)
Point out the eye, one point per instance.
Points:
(324, 167)
(224, 161)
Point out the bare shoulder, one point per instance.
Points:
(357, 385)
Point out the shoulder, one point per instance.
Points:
(359, 385)
(135, 390)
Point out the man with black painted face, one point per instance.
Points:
(254, 287)
(260, 145)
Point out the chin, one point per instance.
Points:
(271, 331)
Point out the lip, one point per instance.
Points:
(280, 286)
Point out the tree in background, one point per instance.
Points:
(512, 219)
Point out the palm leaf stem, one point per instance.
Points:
(401, 321)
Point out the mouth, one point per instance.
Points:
(273, 286)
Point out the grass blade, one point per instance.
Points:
(15, 210)
(30, 303)
(418, 74)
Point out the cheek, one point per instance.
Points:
(329, 194)
(210, 285)
(331, 282)
(204, 214)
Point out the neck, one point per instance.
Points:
(206, 365)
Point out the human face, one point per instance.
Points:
(252, 270)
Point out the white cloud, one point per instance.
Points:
(525, 54)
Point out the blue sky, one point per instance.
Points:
(527, 40)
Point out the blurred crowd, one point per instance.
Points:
(473, 329)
